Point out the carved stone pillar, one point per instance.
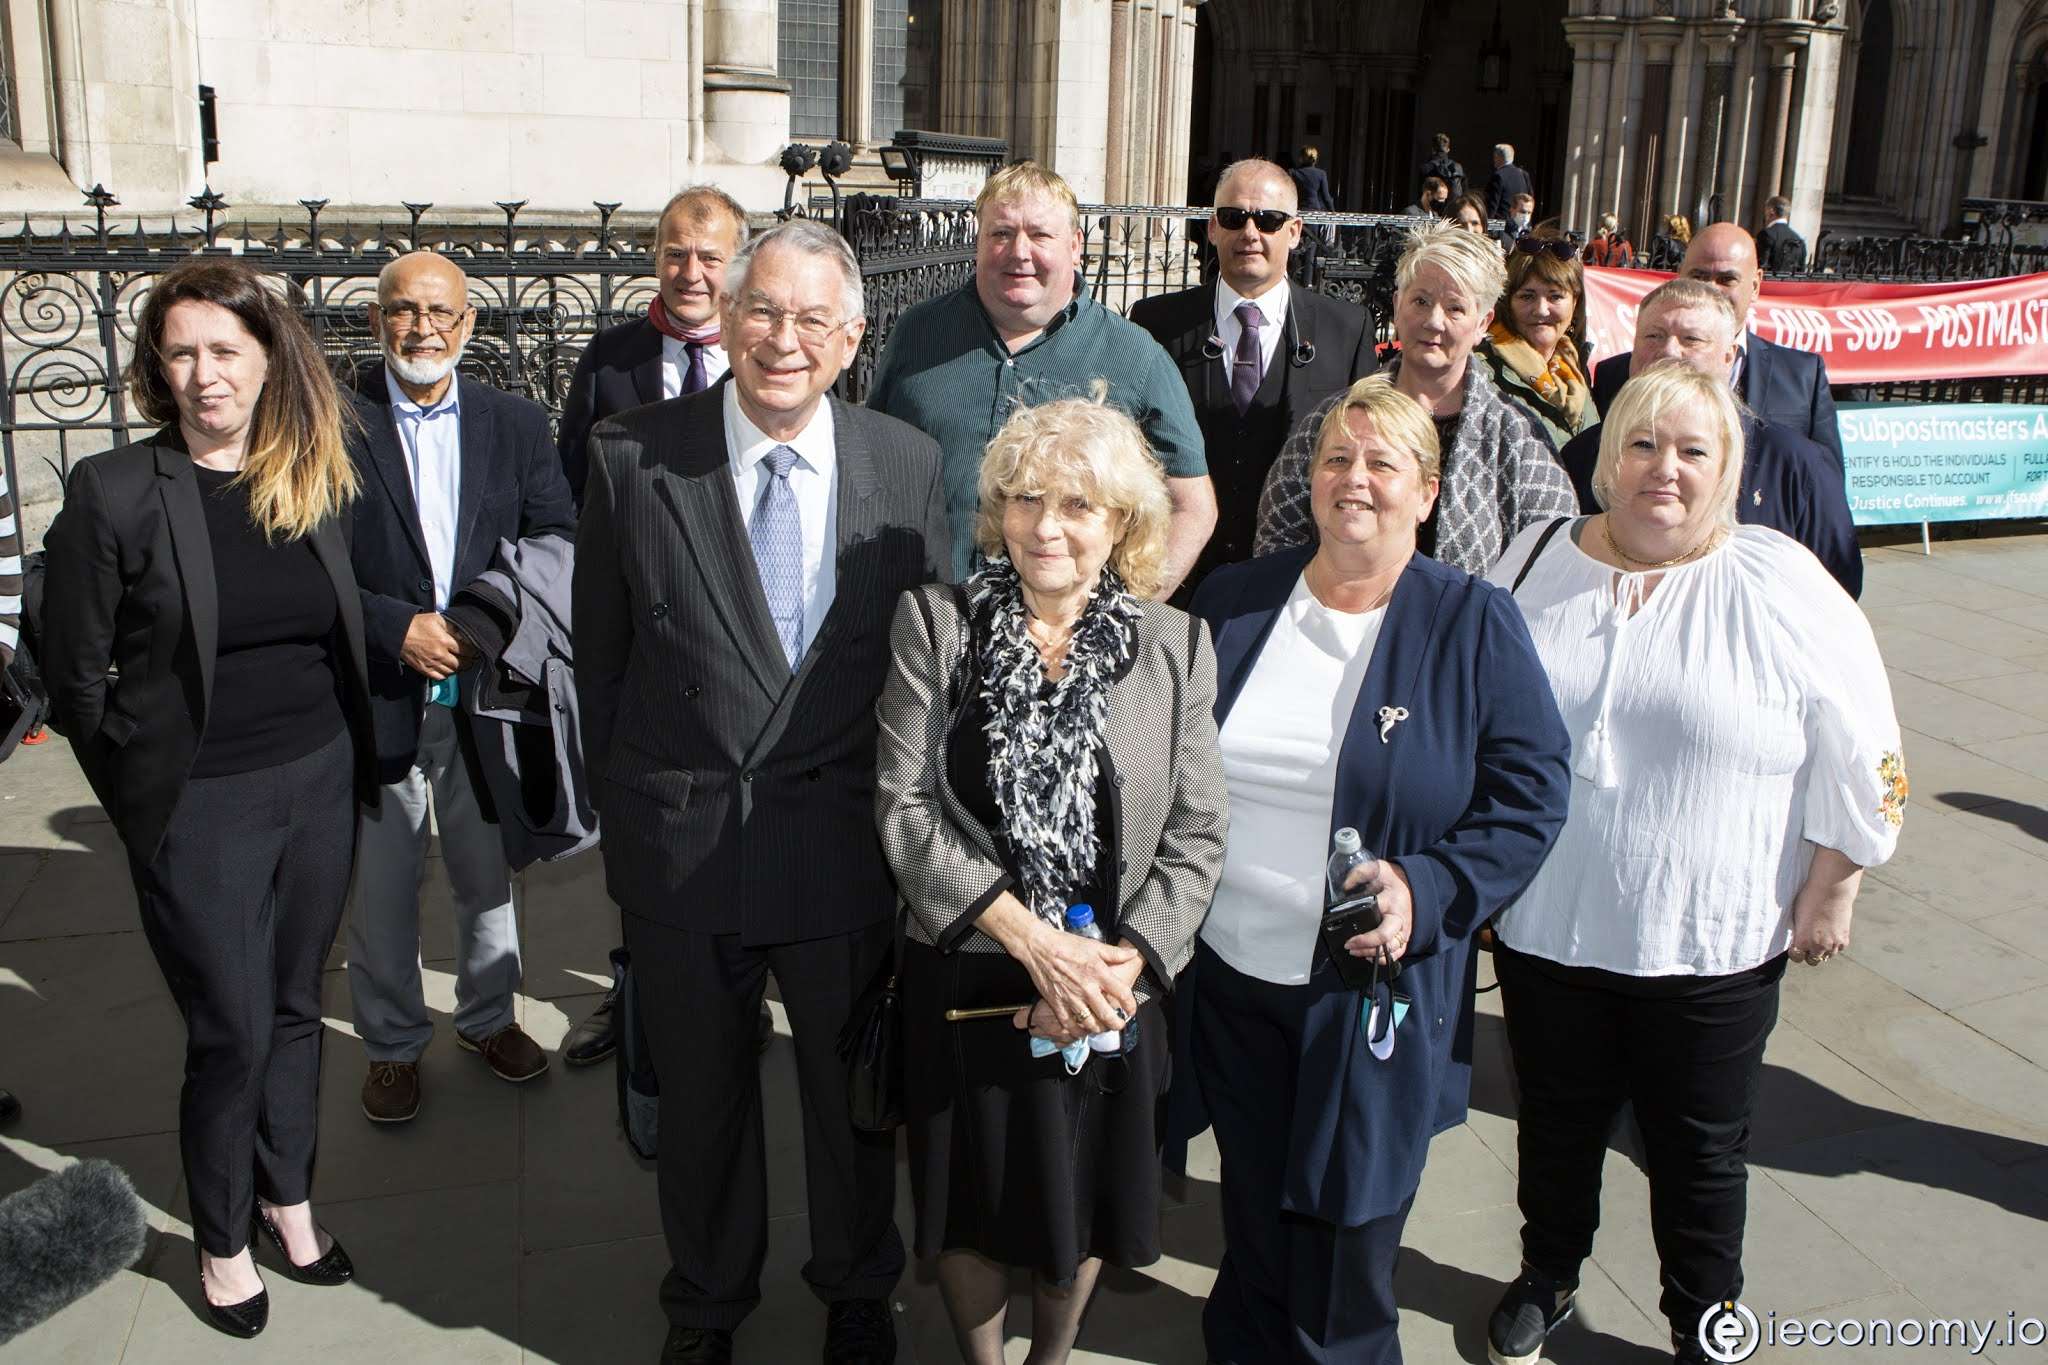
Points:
(1718, 38)
(857, 72)
(1587, 148)
(1116, 172)
(746, 104)
(1782, 49)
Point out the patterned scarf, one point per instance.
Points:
(1042, 745)
(669, 325)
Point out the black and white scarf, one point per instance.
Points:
(1042, 745)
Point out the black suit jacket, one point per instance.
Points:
(1242, 449)
(619, 369)
(1781, 248)
(1784, 385)
(1789, 484)
(736, 797)
(1506, 182)
(131, 616)
(511, 488)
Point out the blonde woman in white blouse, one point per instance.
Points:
(1736, 766)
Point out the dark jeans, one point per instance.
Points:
(701, 1009)
(240, 906)
(1290, 1288)
(1687, 1052)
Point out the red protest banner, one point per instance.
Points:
(1867, 333)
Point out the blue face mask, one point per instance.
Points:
(1074, 1054)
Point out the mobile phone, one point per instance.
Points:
(1344, 921)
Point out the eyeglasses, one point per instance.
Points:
(407, 315)
(1269, 220)
(1557, 246)
(760, 319)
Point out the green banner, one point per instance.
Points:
(1945, 461)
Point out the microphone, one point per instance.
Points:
(62, 1238)
(1212, 349)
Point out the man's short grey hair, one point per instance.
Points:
(1258, 165)
(1504, 150)
(1685, 293)
(812, 238)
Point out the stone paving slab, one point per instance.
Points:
(1900, 1153)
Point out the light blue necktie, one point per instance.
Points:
(777, 534)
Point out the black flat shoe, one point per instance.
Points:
(332, 1269)
(245, 1319)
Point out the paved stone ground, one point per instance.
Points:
(1899, 1165)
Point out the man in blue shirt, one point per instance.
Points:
(1025, 332)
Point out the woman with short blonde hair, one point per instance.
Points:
(1047, 746)
(1646, 400)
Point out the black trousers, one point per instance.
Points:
(1687, 1052)
(701, 997)
(1290, 1288)
(240, 905)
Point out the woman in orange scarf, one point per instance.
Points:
(1535, 346)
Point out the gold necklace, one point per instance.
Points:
(1648, 565)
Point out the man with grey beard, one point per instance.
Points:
(448, 468)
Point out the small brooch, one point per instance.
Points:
(1390, 716)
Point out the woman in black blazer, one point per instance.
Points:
(205, 658)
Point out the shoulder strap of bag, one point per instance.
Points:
(1537, 553)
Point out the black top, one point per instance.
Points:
(967, 772)
(276, 683)
(1446, 437)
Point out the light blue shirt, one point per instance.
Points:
(432, 438)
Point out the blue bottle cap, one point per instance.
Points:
(1080, 916)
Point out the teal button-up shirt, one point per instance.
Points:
(947, 373)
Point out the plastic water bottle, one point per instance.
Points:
(1081, 920)
(1346, 856)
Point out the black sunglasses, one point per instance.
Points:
(1269, 220)
(1556, 246)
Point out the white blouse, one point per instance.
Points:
(1280, 746)
(1737, 718)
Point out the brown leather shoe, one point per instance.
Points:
(391, 1092)
(510, 1053)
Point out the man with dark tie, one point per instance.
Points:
(738, 564)
(675, 349)
(1788, 386)
(1789, 483)
(1256, 353)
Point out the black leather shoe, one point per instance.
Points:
(597, 1037)
(766, 1036)
(245, 1319)
(860, 1332)
(697, 1346)
(333, 1268)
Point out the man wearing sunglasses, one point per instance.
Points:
(1256, 353)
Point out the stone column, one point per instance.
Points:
(746, 103)
(1718, 40)
(1587, 145)
(857, 73)
(1808, 158)
(1116, 172)
(1782, 48)
(1182, 128)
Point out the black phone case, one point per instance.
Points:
(1344, 921)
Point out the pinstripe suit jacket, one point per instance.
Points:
(736, 798)
(1165, 774)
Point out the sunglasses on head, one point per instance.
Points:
(1269, 220)
(1556, 246)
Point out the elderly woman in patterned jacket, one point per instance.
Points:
(1735, 768)
(1047, 742)
(1499, 472)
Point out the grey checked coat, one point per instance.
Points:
(1500, 476)
(1165, 779)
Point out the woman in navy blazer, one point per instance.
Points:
(1384, 691)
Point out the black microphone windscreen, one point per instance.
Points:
(62, 1238)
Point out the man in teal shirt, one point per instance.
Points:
(1025, 333)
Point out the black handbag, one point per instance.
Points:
(871, 1045)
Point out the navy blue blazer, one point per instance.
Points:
(511, 488)
(1466, 795)
(619, 370)
(1785, 385)
(1789, 484)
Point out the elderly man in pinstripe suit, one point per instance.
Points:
(738, 563)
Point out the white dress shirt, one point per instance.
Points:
(432, 438)
(1280, 747)
(675, 364)
(1722, 726)
(813, 479)
(1272, 303)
